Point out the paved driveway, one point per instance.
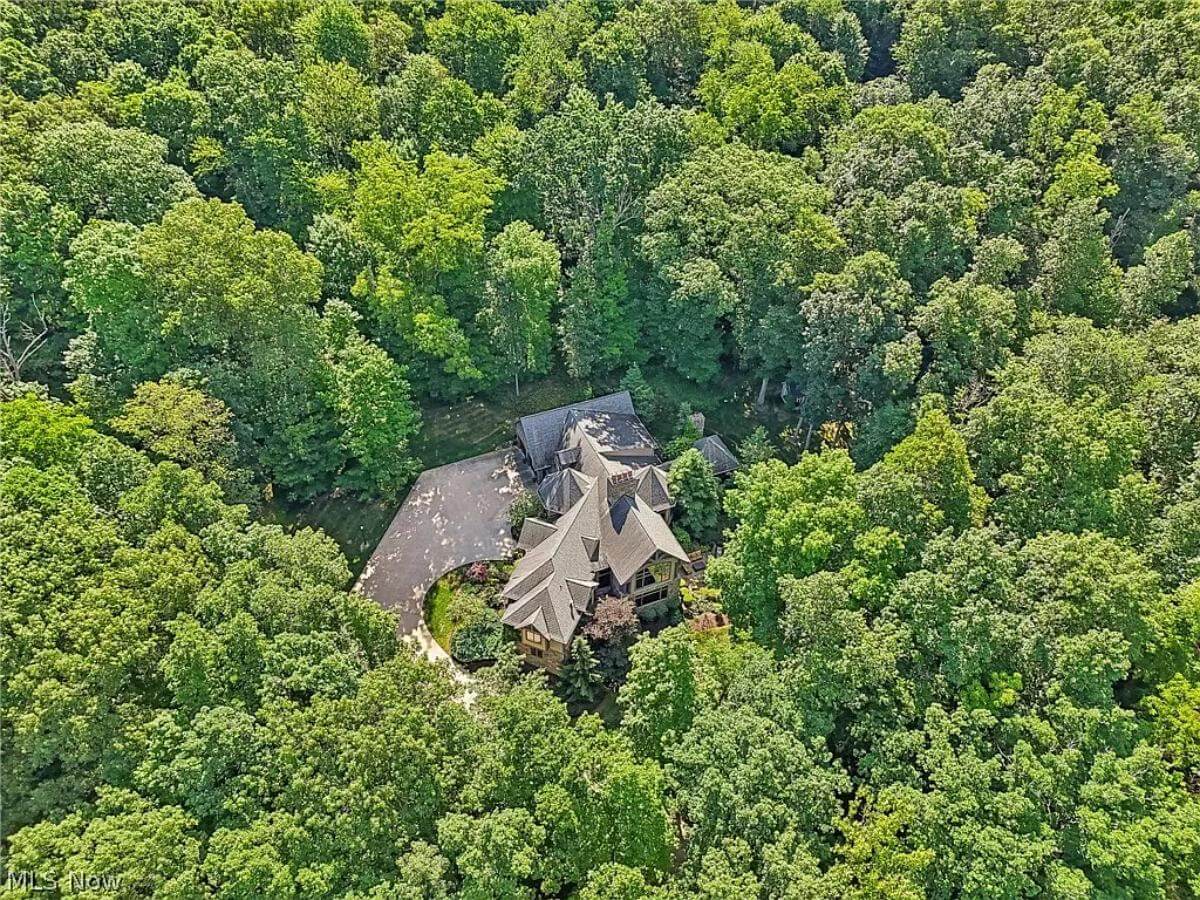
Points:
(453, 515)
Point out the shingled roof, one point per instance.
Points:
(561, 490)
(610, 493)
(719, 456)
(541, 432)
(610, 527)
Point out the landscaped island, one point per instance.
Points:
(600, 449)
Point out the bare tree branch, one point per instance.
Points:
(20, 339)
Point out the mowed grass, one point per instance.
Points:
(486, 422)
(356, 525)
(437, 610)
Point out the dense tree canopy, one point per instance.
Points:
(956, 244)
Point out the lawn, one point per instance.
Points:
(486, 422)
(356, 525)
(437, 610)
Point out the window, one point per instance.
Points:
(532, 637)
(651, 596)
(655, 573)
(536, 652)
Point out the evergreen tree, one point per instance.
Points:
(580, 675)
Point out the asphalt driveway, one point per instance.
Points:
(453, 515)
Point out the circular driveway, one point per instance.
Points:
(454, 515)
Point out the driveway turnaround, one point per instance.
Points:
(454, 515)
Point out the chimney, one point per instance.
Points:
(623, 484)
(698, 420)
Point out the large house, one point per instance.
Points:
(600, 476)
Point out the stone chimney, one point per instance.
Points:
(698, 420)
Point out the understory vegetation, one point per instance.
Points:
(245, 244)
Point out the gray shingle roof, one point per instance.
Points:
(609, 491)
(533, 532)
(540, 433)
(719, 456)
(631, 533)
(561, 490)
(549, 589)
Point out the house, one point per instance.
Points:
(601, 478)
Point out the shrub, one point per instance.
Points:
(615, 620)
(524, 505)
(479, 634)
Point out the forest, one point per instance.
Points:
(246, 245)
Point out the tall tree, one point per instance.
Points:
(522, 285)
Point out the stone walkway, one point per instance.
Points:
(454, 515)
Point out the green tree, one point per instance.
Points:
(523, 279)
(580, 675)
(174, 420)
(377, 417)
(332, 32)
(746, 258)
(100, 172)
(496, 855)
(338, 108)
(476, 39)
(925, 484)
(661, 695)
(1055, 464)
(970, 327)
(853, 324)
(205, 290)
(792, 520)
(696, 494)
(770, 109)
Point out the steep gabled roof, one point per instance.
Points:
(719, 456)
(533, 532)
(610, 492)
(561, 490)
(610, 527)
(544, 588)
(652, 489)
(631, 534)
(540, 433)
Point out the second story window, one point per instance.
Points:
(655, 573)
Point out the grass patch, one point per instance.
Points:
(486, 422)
(437, 610)
(356, 525)
(456, 601)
